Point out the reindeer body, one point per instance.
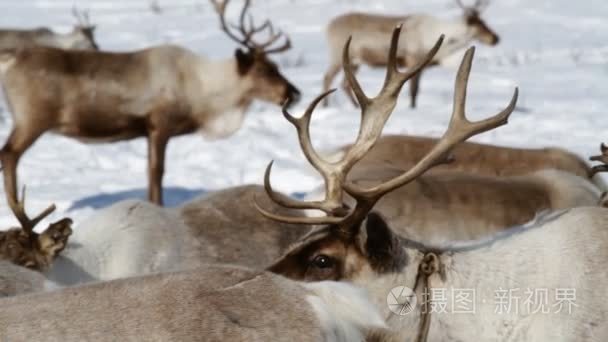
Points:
(401, 152)
(371, 36)
(158, 92)
(128, 239)
(133, 238)
(15, 279)
(214, 303)
(216, 219)
(81, 37)
(563, 253)
(160, 85)
(451, 206)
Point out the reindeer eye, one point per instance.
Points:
(323, 261)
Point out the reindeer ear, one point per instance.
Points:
(380, 242)
(244, 61)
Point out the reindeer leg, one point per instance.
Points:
(328, 79)
(414, 85)
(18, 142)
(157, 144)
(347, 89)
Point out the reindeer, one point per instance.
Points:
(603, 158)
(401, 152)
(133, 238)
(15, 279)
(357, 245)
(444, 206)
(82, 36)
(212, 303)
(370, 32)
(159, 92)
(24, 247)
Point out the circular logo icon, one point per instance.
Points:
(401, 300)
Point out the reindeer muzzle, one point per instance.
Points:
(292, 95)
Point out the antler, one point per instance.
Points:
(478, 6)
(375, 113)
(82, 17)
(18, 208)
(603, 158)
(248, 29)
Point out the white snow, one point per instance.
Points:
(556, 51)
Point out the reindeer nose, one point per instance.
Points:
(495, 40)
(293, 95)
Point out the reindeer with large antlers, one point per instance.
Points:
(561, 252)
(370, 33)
(158, 93)
(24, 247)
(82, 36)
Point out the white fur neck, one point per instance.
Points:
(458, 35)
(222, 97)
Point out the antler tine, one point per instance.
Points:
(374, 114)
(481, 5)
(461, 5)
(284, 47)
(296, 219)
(459, 129)
(220, 8)
(18, 209)
(332, 175)
(288, 202)
(376, 111)
(273, 38)
(603, 158)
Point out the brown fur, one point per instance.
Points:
(36, 251)
(401, 152)
(158, 92)
(81, 37)
(446, 206)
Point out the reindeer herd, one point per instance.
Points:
(251, 264)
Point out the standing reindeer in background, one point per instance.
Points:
(370, 33)
(158, 93)
(563, 251)
(81, 37)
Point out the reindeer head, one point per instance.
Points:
(603, 167)
(253, 62)
(354, 240)
(479, 29)
(24, 247)
(83, 31)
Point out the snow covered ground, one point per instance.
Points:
(556, 51)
